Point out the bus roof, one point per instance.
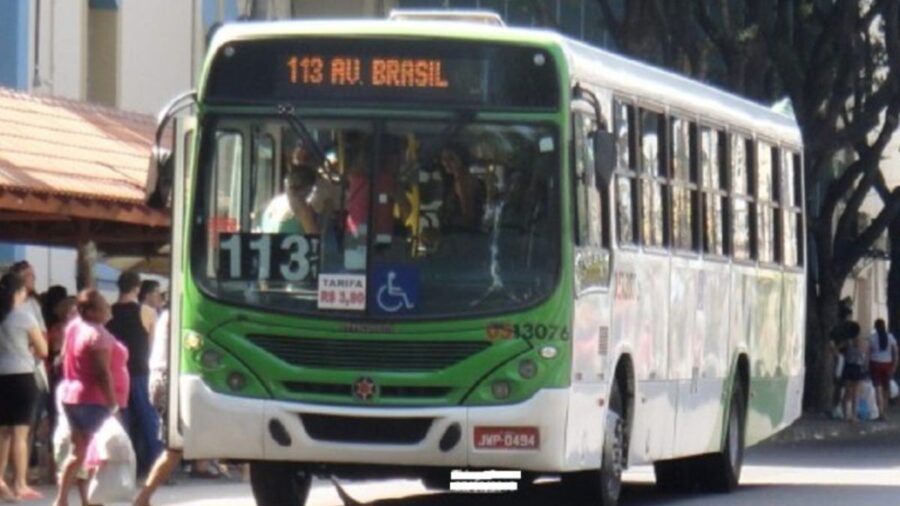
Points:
(632, 79)
(625, 77)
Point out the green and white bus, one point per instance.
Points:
(569, 262)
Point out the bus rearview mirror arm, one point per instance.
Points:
(604, 142)
(158, 190)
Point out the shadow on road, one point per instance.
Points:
(646, 494)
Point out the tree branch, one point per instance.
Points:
(847, 258)
(870, 159)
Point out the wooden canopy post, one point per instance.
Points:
(87, 260)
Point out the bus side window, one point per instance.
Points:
(653, 177)
(715, 191)
(792, 209)
(741, 199)
(626, 188)
(767, 203)
(683, 160)
(588, 199)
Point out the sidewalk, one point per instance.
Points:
(820, 427)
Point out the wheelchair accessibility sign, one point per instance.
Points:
(395, 288)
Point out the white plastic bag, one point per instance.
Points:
(868, 408)
(112, 482)
(112, 457)
(895, 390)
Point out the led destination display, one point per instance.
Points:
(385, 73)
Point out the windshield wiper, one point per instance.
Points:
(328, 170)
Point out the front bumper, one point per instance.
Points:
(223, 426)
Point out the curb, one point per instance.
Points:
(819, 427)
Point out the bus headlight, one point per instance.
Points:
(501, 389)
(527, 369)
(192, 340)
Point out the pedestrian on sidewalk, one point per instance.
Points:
(21, 342)
(883, 360)
(130, 328)
(853, 375)
(93, 366)
(159, 384)
(39, 434)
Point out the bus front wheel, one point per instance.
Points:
(605, 485)
(279, 484)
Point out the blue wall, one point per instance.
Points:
(10, 253)
(14, 43)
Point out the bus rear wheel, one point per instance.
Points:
(714, 472)
(279, 484)
(605, 485)
(723, 469)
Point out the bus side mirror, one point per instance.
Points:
(604, 157)
(160, 175)
(161, 172)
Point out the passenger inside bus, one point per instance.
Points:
(290, 212)
(464, 194)
(389, 189)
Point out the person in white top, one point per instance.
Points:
(159, 371)
(21, 342)
(883, 359)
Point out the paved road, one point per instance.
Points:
(862, 470)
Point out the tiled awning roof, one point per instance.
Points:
(72, 159)
(72, 172)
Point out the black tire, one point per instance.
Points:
(722, 471)
(438, 479)
(279, 484)
(679, 475)
(714, 472)
(605, 484)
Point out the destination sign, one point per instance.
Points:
(379, 72)
(383, 73)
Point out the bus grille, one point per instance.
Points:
(385, 392)
(348, 429)
(369, 355)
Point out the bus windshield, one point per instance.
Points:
(379, 218)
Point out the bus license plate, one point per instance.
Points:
(507, 438)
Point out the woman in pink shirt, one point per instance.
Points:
(96, 380)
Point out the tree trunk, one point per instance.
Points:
(893, 284)
(822, 316)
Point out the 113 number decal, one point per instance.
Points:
(269, 257)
